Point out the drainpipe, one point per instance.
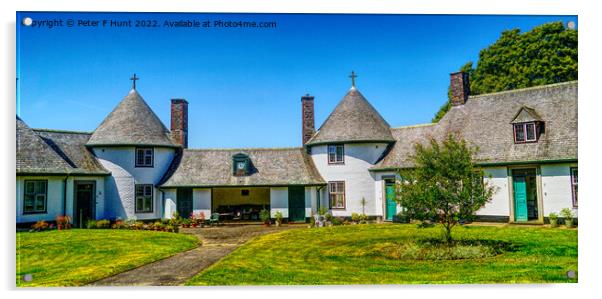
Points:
(318, 197)
(65, 196)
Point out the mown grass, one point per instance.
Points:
(346, 255)
(77, 257)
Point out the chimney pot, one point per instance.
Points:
(460, 88)
(307, 117)
(179, 122)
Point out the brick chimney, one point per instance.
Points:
(307, 117)
(179, 122)
(460, 88)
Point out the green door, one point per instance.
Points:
(296, 203)
(391, 205)
(520, 199)
(184, 202)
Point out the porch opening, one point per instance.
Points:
(240, 203)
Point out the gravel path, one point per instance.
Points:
(217, 242)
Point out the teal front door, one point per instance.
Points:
(520, 199)
(391, 205)
(296, 203)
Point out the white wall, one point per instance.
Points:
(359, 182)
(500, 202)
(54, 199)
(201, 201)
(311, 201)
(120, 161)
(379, 189)
(279, 201)
(556, 187)
(169, 203)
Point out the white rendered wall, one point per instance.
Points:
(169, 203)
(500, 202)
(120, 190)
(556, 187)
(201, 202)
(311, 201)
(279, 201)
(359, 182)
(54, 198)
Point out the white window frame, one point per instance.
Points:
(334, 156)
(335, 189)
(144, 194)
(36, 196)
(524, 127)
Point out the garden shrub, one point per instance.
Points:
(91, 224)
(103, 224)
(41, 226)
(63, 222)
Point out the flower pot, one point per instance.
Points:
(553, 222)
(568, 223)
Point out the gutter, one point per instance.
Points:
(485, 164)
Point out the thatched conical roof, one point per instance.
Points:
(353, 120)
(132, 122)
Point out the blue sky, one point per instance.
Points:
(244, 85)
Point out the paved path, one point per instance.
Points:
(176, 270)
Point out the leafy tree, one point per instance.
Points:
(445, 185)
(547, 54)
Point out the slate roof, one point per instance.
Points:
(132, 122)
(486, 120)
(53, 152)
(71, 146)
(354, 119)
(213, 168)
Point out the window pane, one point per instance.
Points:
(28, 203)
(530, 132)
(575, 176)
(148, 190)
(340, 153)
(148, 203)
(139, 191)
(29, 187)
(331, 149)
(40, 202)
(331, 157)
(139, 203)
(520, 132)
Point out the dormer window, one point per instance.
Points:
(525, 132)
(144, 157)
(528, 125)
(241, 165)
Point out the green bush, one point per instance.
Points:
(264, 215)
(312, 221)
(567, 214)
(336, 221)
(278, 216)
(553, 216)
(91, 224)
(355, 217)
(322, 211)
(102, 224)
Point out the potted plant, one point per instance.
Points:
(567, 214)
(264, 215)
(278, 216)
(553, 219)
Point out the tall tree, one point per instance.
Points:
(547, 54)
(445, 185)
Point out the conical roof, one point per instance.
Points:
(132, 122)
(354, 119)
(36, 156)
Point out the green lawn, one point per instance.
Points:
(77, 257)
(352, 255)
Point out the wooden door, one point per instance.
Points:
(184, 202)
(296, 203)
(84, 202)
(391, 205)
(520, 198)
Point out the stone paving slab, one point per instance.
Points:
(217, 242)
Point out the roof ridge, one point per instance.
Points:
(523, 89)
(414, 126)
(60, 131)
(242, 149)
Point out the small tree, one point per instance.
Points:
(445, 185)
